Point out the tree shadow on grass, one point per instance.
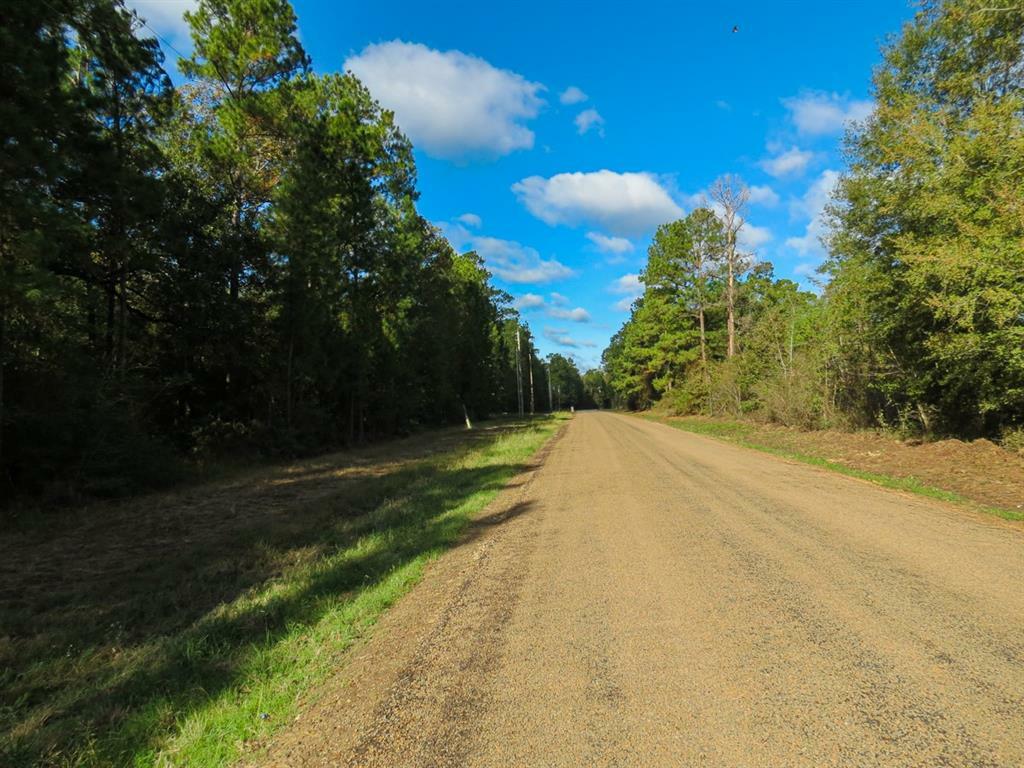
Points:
(109, 664)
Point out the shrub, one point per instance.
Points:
(1013, 440)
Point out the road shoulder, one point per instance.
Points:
(414, 663)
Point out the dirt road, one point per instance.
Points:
(648, 597)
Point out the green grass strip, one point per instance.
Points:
(196, 697)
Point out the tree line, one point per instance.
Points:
(232, 267)
(919, 323)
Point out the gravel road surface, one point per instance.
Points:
(648, 597)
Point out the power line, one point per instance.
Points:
(135, 16)
(157, 35)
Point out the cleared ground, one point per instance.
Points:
(978, 472)
(651, 597)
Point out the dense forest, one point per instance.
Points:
(231, 267)
(919, 321)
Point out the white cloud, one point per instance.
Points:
(763, 195)
(629, 284)
(165, 17)
(630, 287)
(452, 105)
(572, 95)
(517, 263)
(723, 105)
(588, 119)
(817, 196)
(816, 113)
(606, 244)
(471, 220)
(557, 308)
(812, 206)
(792, 162)
(562, 338)
(529, 301)
(751, 238)
(507, 259)
(622, 203)
(577, 315)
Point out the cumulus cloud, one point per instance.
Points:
(556, 307)
(587, 119)
(629, 284)
(507, 259)
(451, 104)
(792, 162)
(572, 95)
(562, 338)
(750, 237)
(622, 203)
(166, 17)
(816, 113)
(577, 315)
(606, 244)
(763, 195)
(471, 220)
(817, 196)
(529, 301)
(517, 263)
(812, 206)
(630, 288)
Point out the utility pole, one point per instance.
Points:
(551, 407)
(529, 357)
(519, 370)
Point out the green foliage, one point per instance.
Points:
(921, 326)
(567, 388)
(1013, 440)
(233, 266)
(927, 268)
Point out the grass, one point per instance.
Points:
(743, 434)
(132, 672)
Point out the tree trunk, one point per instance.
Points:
(730, 298)
(703, 338)
(236, 258)
(288, 384)
(109, 332)
(532, 399)
(122, 318)
(351, 419)
(3, 362)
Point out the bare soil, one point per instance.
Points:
(649, 597)
(980, 470)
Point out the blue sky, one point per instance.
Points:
(553, 138)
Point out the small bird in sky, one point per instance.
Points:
(735, 29)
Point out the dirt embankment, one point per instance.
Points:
(979, 471)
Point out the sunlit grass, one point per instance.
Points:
(196, 696)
